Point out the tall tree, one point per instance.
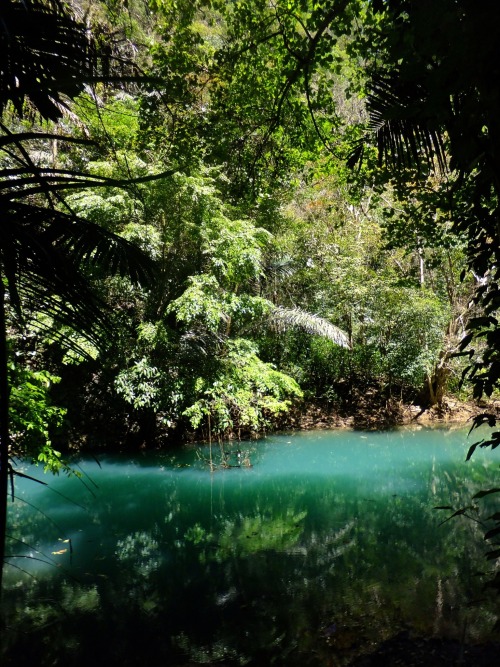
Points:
(434, 107)
(46, 251)
(431, 100)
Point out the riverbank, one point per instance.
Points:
(368, 410)
(372, 412)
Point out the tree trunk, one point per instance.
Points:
(435, 387)
(4, 429)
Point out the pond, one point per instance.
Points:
(309, 549)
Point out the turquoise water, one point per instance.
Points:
(324, 546)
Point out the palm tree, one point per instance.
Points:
(47, 57)
(434, 106)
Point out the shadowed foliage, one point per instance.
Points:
(47, 254)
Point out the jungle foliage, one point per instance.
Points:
(230, 209)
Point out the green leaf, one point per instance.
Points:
(482, 494)
(283, 318)
(492, 533)
(471, 451)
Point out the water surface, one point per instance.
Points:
(326, 545)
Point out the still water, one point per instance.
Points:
(326, 545)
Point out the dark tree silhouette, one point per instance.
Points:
(434, 105)
(46, 58)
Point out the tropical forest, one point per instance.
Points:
(249, 346)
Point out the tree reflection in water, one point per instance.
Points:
(328, 546)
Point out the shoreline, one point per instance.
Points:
(394, 413)
(371, 413)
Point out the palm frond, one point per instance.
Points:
(46, 56)
(284, 318)
(25, 136)
(280, 267)
(87, 243)
(406, 124)
(44, 254)
(27, 180)
(43, 276)
(407, 128)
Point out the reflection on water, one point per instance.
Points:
(325, 546)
